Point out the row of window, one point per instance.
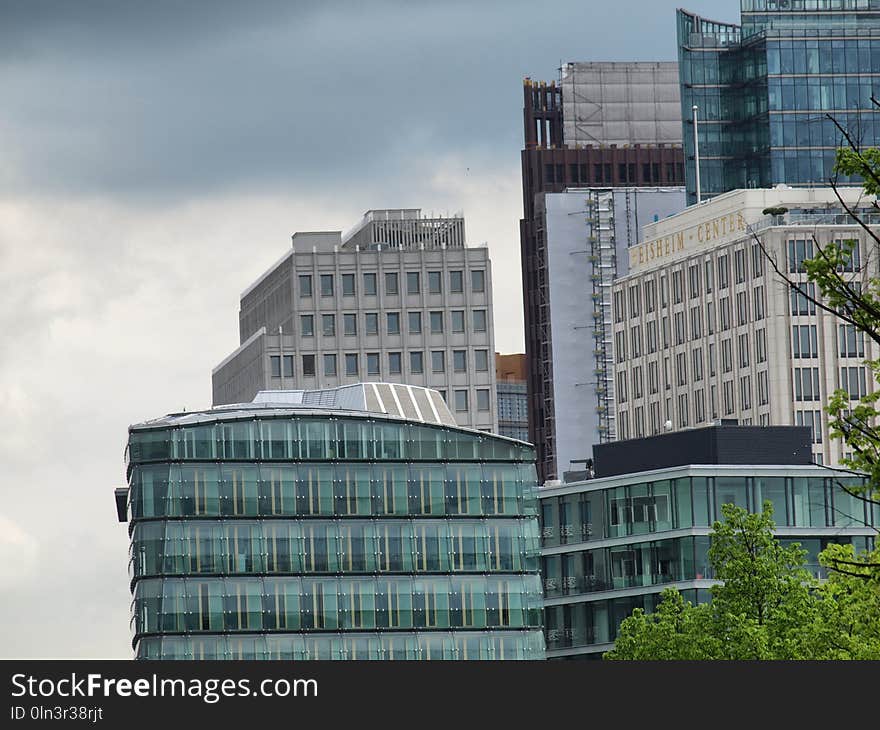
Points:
(327, 286)
(172, 605)
(421, 645)
(311, 438)
(672, 504)
(283, 365)
(311, 490)
(626, 173)
(392, 323)
(183, 547)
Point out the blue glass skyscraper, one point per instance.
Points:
(765, 89)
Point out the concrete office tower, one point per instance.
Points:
(588, 233)
(705, 329)
(513, 413)
(352, 523)
(399, 298)
(765, 89)
(613, 543)
(603, 125)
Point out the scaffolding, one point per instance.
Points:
(603, 259)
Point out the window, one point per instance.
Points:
(328, 325)
(739, 265)
(852, 380)
(305, 285)
(694, 281)
(618, 306)
(479, 320)
(801, 303)
(415, 322)
(393, 323)
(478, 282)
(851, 342)
(329, 364)
(287, 361)
(412, 282)
(680, 330)
(351, 363)
(724, 307)
(634, 300)
(742, 308)
(457, 320)
(635, 335)
(850, 254)
(683, 410)
(760, 346)
(708, 277)
(436, 323)
(275, 365)
(757, 261)
(745, 392)
(699, 407)
(710, 318)
(372, 363)
(620, 345)
(664, 292)
(394, 363)
(482, 399)
(763, 389)
(308, 365)
(726, 358)
(759, 303)
(803, 340)
(637, 382)
(651, 336)
(723, 272)
(650, 295)
(481, 360)
(697, 356)
(349, 325)
(307, 325)
(727, 394)
(456, 282)
(371, 323)
(798, 252)
(696, 323)
(620, 393)
(348, 285)
(459, 361)
(806, 384)
(653, 378)
(326, 285)
(435, 282)
(417, 362)
(744, 349)
(461, 400)
(677, 286)
(370, 285)
(813, 420)
(391, 283)
(438, 361)
(681, 369)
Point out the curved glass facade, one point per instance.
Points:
(304, 536)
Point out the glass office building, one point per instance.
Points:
(764, 90)
(612, 544)
(331, 529)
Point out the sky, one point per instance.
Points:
(155, 159)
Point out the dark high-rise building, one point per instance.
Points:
(351, 523)
(603, 125)
(765, 88)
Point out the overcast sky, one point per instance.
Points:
(155, 158)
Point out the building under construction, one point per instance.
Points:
(604, 126)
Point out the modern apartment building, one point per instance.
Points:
(705, 329)
(513, 413)
(602, 125)
(398, 298)
(352, 523)
(765, 88)
(613, 543)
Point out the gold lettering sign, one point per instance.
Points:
(707, 232)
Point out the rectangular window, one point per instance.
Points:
(620, 394)
(634, 300)
(393, 323)
(308, 365)
(724, 308)
(457, 320)
(757, 261)
(763, 389)
(726, 358)
(697, 356)
(372, 363)
(799, 251)
(709, 277)
(435, 279)
(479, 320)
(436, 323)
(415, 322)
(739, 265)
(744, 350)
(350, 325)
(329, 364)
(850, 254)
(371, 323)
(482, 399)
(618, 306)
(694, 281)
(727, 393)
(370, 285)
(287, 361)
(461, 400)
(760, 346)
(351, 363)
(677, 286)
(391, 287)
(636, 341)
(481, 360)
(803, 340)
(478, 280)
(664, 292)
(699, 407)
(710, 318)
(651, 336)
(851, 342)
(417, 362)
(620, 346)
(305, 285)
(438, 361)
(307, 325)
(637, 382)
(326, 285)
(394, 363)
(275, 365)
(459, 361)
(803, 299)
(412, 282)
(653, 378)
(759, 303)
(348, 285)
(745, 392)
(681, 369)
(683, 410)
(806, 384)
(852, 380)
(742, 308)
(723, 272)
(680, 329)
(328, 325)
(696, 323)
(813, 420)
(456, 282)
